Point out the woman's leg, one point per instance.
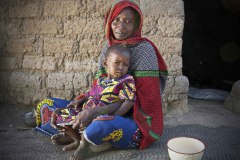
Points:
(119, 131)
(107, 131)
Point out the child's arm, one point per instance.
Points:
(124, 108)
(87, 115)
(75, 103)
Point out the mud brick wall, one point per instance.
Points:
(51, 47)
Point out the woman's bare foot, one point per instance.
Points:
(82, 152)
(87, 150)
(61, 139)
(72, 146)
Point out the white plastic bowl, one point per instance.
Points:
(185, 148)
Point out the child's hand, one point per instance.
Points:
(76, 103)
(53, 122)
(73, 104)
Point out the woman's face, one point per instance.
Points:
(123, 26)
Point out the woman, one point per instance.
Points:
(123, 24)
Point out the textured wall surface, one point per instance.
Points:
(51, 47)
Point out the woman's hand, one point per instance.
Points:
(84, 118)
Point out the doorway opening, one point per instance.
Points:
(211, 44)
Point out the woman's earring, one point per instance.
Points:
(105, 64)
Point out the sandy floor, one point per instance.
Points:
(206, 113)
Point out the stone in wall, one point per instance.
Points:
(61, 8)
(178, 107)
(163, 8)
(22, 86)
(56, 45)
(8, 63)
(60, 81)
(168, 44)
(174, 64)
(40, 62)
(74, 27)
(4, 80)
(24, 11)
(175, 95)
(23, 80)
(3, 13)
(10, 29)
(49, 26)
(82, 80)
(150, 27)
(20, 46)
(80, 66)
(171, 26)
(63, 94)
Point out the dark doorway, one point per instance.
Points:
(211, 44)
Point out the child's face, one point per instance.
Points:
(117, 64)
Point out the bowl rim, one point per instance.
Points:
(204, 146)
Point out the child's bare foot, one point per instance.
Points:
(60, 139)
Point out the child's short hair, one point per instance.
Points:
(119, 47)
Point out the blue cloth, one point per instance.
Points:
(44, 112)
(113, 129)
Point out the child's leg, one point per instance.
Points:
(76, 137)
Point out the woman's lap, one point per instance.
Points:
(121, 132)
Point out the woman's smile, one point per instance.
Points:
(120, 34)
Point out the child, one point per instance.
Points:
(117, 85)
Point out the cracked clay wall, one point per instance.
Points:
(50, 47)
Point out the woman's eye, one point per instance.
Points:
(116, 19)
(128, 21)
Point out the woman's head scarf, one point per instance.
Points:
(113, 12)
